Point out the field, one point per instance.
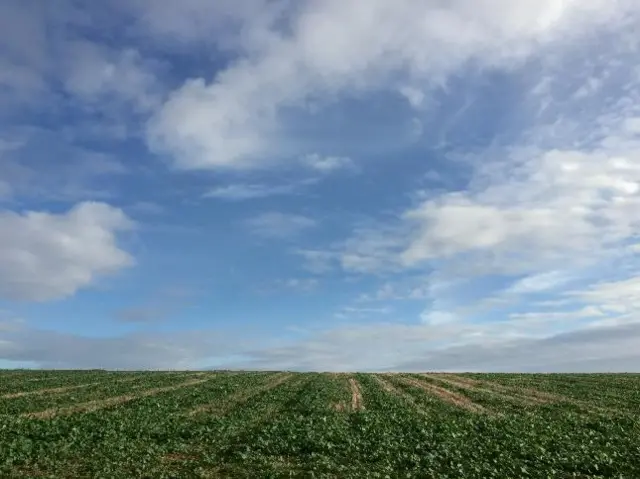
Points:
(101, 424)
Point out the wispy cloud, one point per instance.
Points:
(328, 164)
(40, 164)
(240, 191)
(332, 48)
(539, 282)
(279, 225)
(493, 219)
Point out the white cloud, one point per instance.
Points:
(328, 164)
(229, 24)
(43, 49)
(240, 192)
(45, 256)
(177, 350)
(409, 289)
(23, 43)
(554, 317)
(552, 198)
(510, 346)
(619, 298)
(456, 347)
(279, 225)
(436, 317)
(632, 125)
(316, 261)
(562, 205)
(414, 96)
(539, 282)
(334, 47)
(99, 76)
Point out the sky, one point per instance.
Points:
(320, 185)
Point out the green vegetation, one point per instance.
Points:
(99, 424)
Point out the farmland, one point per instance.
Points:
(101, 424)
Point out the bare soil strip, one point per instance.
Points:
(108, 402)
(387, 387)
(532, 395)
(447, 396)
(241, 396)
(356, 396)
(391, 389)
(453, 381)
(38, 392)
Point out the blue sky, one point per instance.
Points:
(320, 185)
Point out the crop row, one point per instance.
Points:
(309, 425)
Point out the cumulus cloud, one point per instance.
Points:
(563, 201)
(550, 200)
(46, 256)
(331, 48)
(274, 224)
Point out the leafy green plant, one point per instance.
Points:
(270, 424)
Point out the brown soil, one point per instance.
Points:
(340, 407)
(388, 387)
(241, 396)
(391, 389)
(476, 386)
(532, 395)
(447, 396)
(38, 392)
(525, 395)
(108, 402)
(453, 377)
(356, 395)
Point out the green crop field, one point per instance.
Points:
(101, 424)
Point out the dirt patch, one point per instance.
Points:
(108, 402)
(526, 394)
(386, 386)
(478, 387)
(445, 395)
(453, 377)
(356, 396)
(38, 392)
(241, 396)
(391, 389)
(340, 407)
